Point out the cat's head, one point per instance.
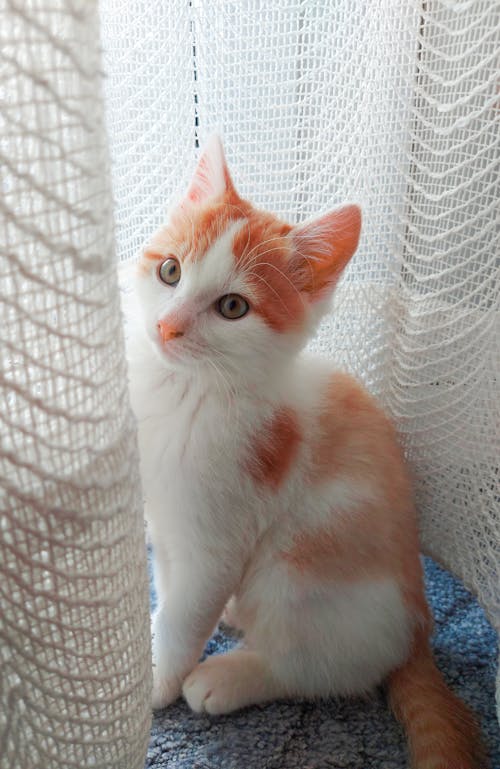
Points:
(226, 286)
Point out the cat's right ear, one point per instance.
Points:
(322, 248)
(211, 178)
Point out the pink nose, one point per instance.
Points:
(168, 331)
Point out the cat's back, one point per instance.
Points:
(335, 400)
(347, 432)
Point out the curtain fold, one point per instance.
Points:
(75, 662)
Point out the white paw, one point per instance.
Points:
(165, 691)
(208, 690)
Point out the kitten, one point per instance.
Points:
(275, 487)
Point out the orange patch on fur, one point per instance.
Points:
(354, 440)
(195, 230)
(356, 547)
(275, 449)
(334, 552)
(192, 231)
(262, 252)
(353, 436)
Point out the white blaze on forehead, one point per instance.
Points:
(216, 267)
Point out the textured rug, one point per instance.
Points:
(356, 734)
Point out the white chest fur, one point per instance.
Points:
(190, 440)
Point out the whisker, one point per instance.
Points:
(260, 244)
(260, 277)
(217, 382)
(257, 258)
(286, 277)
(230, 391)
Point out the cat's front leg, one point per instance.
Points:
(188, 610)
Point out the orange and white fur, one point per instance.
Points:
(276, 492)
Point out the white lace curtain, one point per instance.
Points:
(393, 105)
(75, 663)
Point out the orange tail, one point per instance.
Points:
(442, 732)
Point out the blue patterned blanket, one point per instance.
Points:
(356, 734)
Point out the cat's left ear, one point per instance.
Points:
(322, 248)
(211, 178)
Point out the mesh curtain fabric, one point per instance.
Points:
(393, 105)
(74, 627)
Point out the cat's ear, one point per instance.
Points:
(322, 248)
(211, 178)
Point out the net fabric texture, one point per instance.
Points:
(150, 110)
(392, 105)
(74, 628)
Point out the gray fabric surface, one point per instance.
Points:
(356, 734)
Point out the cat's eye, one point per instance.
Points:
(169, 271)
(232, 306)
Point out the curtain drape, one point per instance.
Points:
(75, 662)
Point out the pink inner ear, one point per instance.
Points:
(322, 249)
(211, 176)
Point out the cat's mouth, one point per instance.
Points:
(176, 350)
(172, 350)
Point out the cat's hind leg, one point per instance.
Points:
(305, 640)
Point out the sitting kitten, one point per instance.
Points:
(275, 486)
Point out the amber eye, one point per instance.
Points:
(170, 271)
(232, 306)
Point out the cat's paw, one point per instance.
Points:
(208, 690)
(227, 682)
(165, 691)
